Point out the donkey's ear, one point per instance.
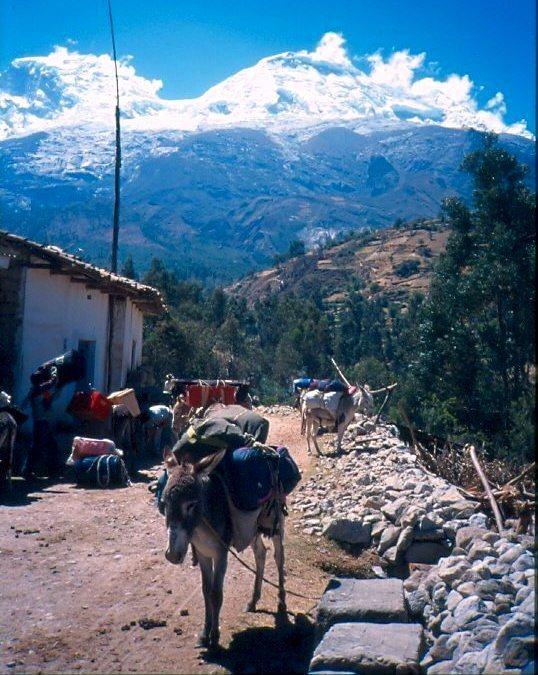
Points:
(170, 460)
(207, 464)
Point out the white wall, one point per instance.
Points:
(57, 314)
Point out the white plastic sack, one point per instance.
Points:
(313, 400)
(331, 401)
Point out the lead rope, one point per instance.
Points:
(248, 567)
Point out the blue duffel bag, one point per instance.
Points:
(104, 471)
(301, 383)
(250, 474)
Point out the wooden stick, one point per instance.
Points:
(390, 387)
(487, 488)
(521, 475)
(340, 372)
(387, 396)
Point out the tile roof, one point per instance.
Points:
(146, 297)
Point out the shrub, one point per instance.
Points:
(407, 268)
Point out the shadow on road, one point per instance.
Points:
(23, 492)
(286, 648)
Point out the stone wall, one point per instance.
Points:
(471, 589)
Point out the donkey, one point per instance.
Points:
(360, 401)
(198, 511)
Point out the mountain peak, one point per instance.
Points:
(285, 93)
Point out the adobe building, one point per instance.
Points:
(52, 301)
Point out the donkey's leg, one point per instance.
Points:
(341, 428)
(278, 543)
(259, 554)
(219, 570)
(206, 568)
(307, 432)
(314, 432)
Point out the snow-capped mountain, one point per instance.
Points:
(281, 94)
(302, 143)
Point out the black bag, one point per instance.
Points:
(252, 475)
(16, 413)
(206, 436)
(288, 471)
(43, 375)
(70, 366)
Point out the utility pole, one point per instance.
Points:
(116, 220)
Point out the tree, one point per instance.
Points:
(128, 269)
(296, 248)
(217, 306)
(476, 336)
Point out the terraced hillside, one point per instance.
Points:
(393, 261)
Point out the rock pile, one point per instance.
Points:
(472, 589)
(377, 493)
(477, 605)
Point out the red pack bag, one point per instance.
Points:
(194, 395)
(100, 406)
(90, 405)
(92, 447)
(229, 394)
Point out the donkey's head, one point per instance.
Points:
(363, 401)
(183, 500)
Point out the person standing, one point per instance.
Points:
(44, 446)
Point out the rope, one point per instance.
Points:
(105, 482)
(248, 567)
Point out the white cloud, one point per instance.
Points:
(399, 69)
(497, 103)
(331, 49)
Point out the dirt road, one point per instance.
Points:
(80, 568)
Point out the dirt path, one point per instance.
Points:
(79, 569)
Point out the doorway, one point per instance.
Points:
(87, 349)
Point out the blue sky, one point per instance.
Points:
(193, 44)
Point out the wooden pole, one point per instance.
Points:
(340, 372)
(388, 388)
(117, 162)
(521, 475)
(487, 489)
(387, 396)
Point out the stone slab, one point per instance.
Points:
(376, 600)
(370, 649)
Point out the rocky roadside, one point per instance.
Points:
(472, 589)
